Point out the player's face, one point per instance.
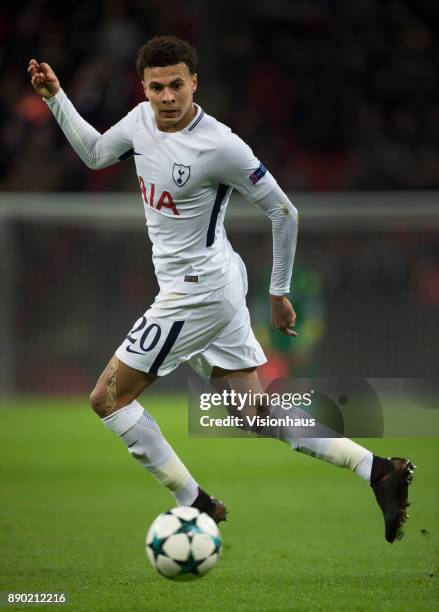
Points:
(170, 91)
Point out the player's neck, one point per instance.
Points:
(184, 121)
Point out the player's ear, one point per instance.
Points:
(144, 89)
(194, 82)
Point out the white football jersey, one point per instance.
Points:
(185, 180)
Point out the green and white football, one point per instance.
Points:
(183, 543)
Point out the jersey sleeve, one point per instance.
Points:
(284, 222)
(235, 165)
(96, 150)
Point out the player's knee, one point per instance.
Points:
(98, 400)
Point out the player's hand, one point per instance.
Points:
(44, 80)
(283, 316)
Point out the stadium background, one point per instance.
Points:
(340, 100)
(333, 97)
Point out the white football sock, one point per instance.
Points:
(140, 432)
(338, 451)
(364, 468)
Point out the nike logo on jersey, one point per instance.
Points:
(128, 154)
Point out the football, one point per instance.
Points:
(183, 543)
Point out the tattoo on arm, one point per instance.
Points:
(111, 386)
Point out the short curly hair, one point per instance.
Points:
(166, 51)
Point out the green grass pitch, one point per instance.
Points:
(302, 534)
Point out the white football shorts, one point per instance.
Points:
(204, 330)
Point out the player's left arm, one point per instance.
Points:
(236, 165)
(284, 222)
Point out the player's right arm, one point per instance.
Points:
(96, 150)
